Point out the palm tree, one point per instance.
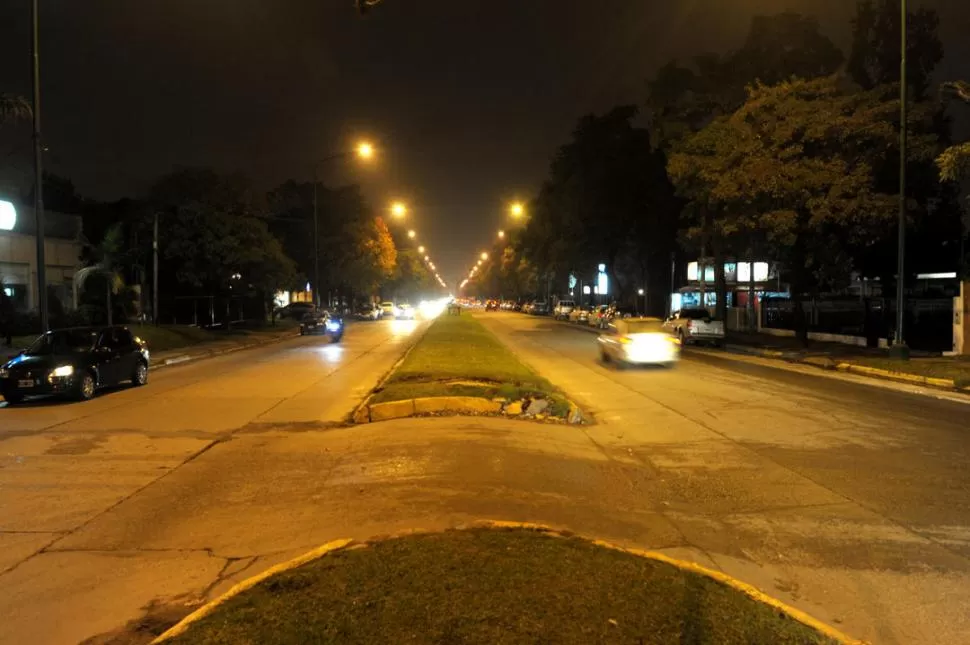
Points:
(105, 259)
(13, 108)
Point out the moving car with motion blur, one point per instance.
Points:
(369, 312)
(639, 341)
(322, 323)
(388, 310)
(75, 362)
(696, 325)
(405, 312)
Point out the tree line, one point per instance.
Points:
(218, 236)
(785, 149)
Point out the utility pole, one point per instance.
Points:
(673, 282)
(38, 173)
(899, 346)
(316, 241)
(155, 270)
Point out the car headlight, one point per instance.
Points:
(63, 370)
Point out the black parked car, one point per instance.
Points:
(75, 362)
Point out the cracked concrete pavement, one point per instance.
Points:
(846, 501)
(64, 467)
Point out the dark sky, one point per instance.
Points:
(468, 99)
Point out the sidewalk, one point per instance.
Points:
(951, 372)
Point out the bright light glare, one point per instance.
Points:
(517, 209)
(399, 209)
(365, 150)
(331, 353)
(412, 234)
(501, 234)
(484, 255)
(421, 250)
(403, 327)
(8, 216)
(430, 309)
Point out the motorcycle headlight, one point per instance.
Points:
(333, 325)
(63, 370)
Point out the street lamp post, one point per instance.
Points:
(899, 346)
(364, 150)
(38, 172)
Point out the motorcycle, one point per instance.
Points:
(334, 328)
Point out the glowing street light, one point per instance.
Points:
(412, 234)
(480, 263)
(399, 210)
(517, 209)
(484, 255)
(365, 150)
(426, 258)
(421, 250)
(501, 235)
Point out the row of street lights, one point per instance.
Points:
(516, 211)
(399, 210)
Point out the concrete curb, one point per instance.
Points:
(361, 413)
(861, 370)
(212, 353)
(749, 590)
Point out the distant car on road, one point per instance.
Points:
(369, 312)
(405, 312)
(388, 310)
(75, 362)
(693, 325)
(563, 309)
(639, 341)
(540, 309)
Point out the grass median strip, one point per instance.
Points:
(498, 586)
(459, 357)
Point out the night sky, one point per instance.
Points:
(467, 99)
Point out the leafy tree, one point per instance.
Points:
(793, 168)
(875, 55)
(214, 228)
(104, 262)
(604, 185)
(357, 251)
(683, 100)
(954, 163)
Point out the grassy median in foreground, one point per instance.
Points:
(459, 357)
(494, 586)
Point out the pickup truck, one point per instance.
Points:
(695, 325)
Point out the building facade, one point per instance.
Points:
(18, 255)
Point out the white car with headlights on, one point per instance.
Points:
(639, 341)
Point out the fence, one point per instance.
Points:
(927, 323)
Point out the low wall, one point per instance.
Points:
(859, 341)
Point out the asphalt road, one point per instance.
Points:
(64, 464)
(814, 478)
(845, 500)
